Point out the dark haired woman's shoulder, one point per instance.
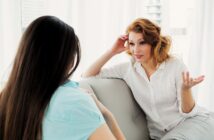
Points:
(71, 92)
(69, 99)
(71, 112)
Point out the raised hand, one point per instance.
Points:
(119, 45)
(189, 82)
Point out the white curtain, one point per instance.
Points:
(201, 54)
(10, 31)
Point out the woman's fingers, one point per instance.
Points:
(183, 77)
(198, 79)
(189, 82)
(124, 37)
(187, 78)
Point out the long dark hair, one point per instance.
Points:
(48, 54)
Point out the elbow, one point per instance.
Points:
(89, 74)
(188, 109)
(85, 75)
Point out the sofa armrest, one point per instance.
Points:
(118, 98)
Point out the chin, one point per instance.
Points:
(138, 60)
(143, 61)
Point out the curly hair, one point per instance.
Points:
(152, 35)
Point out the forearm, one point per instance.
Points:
(95, 68)
(112, 123)
(187, 100)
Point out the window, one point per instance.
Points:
(154, 10)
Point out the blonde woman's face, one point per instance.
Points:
(140, 50)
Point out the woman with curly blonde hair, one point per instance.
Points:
(159, 82)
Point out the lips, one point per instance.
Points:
(137, 56)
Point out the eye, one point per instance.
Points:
(142, 42)
(131, 44)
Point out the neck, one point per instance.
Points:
(150, 67)
(150, 64)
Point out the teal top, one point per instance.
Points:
(71, 114)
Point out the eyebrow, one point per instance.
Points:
(137, 40)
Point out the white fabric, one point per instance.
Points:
(195, 128)
(201, 51)
(159, 97)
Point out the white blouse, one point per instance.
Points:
(159, 97)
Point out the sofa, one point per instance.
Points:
(118, 98)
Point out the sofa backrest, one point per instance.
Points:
(118, 98)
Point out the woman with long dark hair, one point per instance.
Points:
(39, 102)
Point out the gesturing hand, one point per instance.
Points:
(189, 82)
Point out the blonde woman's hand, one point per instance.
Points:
(189, 82)
(119, 45)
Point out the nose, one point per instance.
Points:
(136, 48)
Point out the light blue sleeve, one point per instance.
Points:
(71, 115)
